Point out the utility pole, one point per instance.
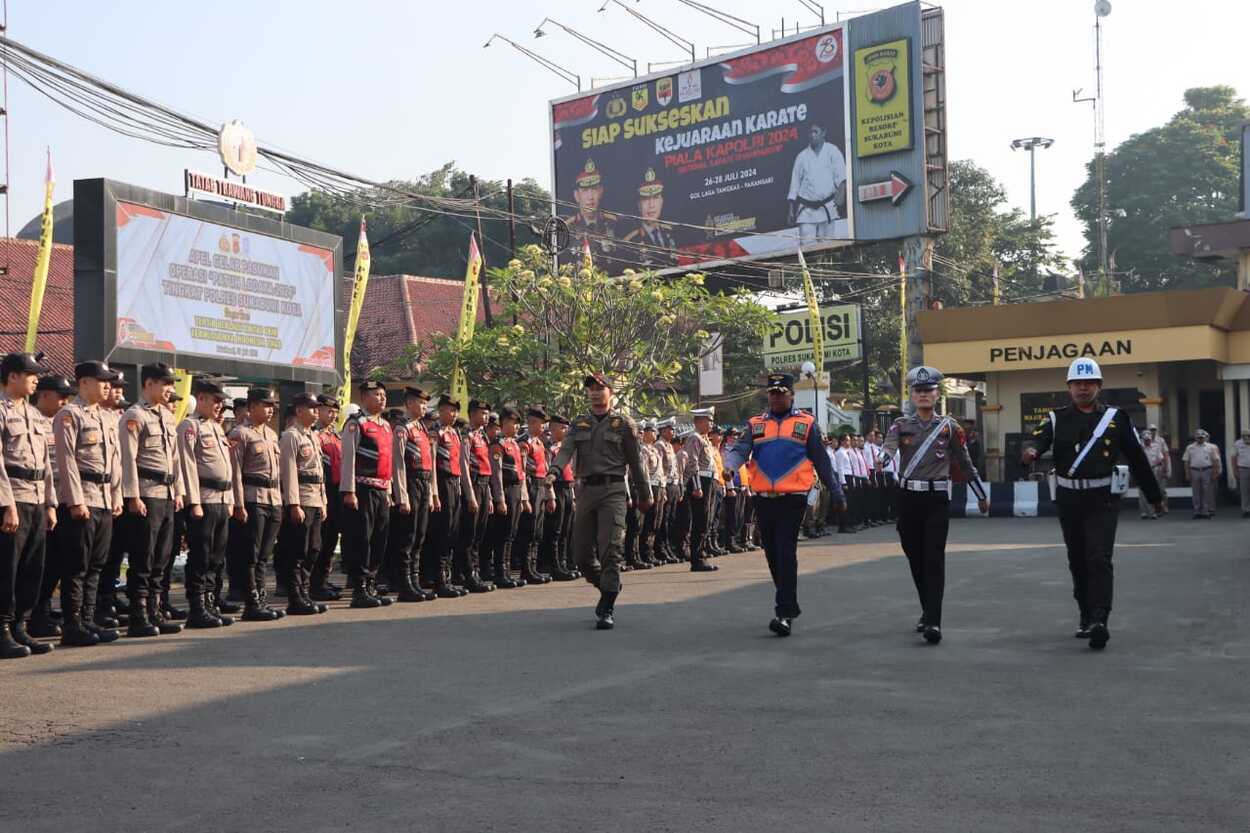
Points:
(998, 295)
(1031, 144)
(477, 204)
(511, 221)
(917, 266)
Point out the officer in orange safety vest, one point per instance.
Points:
(786, 454)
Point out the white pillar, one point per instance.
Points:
(1230, 430)
(1243, 396)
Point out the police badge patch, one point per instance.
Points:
(800, 430)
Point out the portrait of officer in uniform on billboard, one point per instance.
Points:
(591, 222)
(651, 245)
(818, 191)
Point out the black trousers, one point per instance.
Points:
(85, 550)
(633, 526)
(302, 542)
(206, 539)
(260, 534)
(730, 521)
(1088, 520)
(151, 546)
(119, 543)
(779, 520)
(923, 522)
(365, 530)
(679, 530)
(647, 541)
(555, 531)
(529, 534)
(443, 532)
(238, 556)
(501, 533)
(329, 538)
(53, 569)
(407, 533)
(699, 510)
(473, 532)
(21, 563)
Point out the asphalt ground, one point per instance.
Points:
(509, 712)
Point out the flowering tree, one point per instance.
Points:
(554, 328)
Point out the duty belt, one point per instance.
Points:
(260, 481)
(925, 485)
(1199, 468)
(98, 477)
(310, 479)
(215, 485)
(22, 473)
(511, 480)
(773, 495)
(564, 484)
(423, 475)
(603, 479)
(1082, 485)
(163, 478)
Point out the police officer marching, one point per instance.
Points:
(603, 443)
(785, 455)
(1088, 437)
(926, 444)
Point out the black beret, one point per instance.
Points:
(447, 399)
(371, 384)
(509, 412)
(57, 384)
(93, 370)
(325, 400)
(157, 372)
(416, 393)
(21, 363)
(537, 412)
(306, 399)
(263, 395)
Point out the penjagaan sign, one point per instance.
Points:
(789, 343)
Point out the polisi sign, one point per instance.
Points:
(789, 343)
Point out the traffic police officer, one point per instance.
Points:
(208, 474)
(257, 500)
(604, 444)
(365, 490)
(785, 455)
(304, 497)
(89, 496)
(1088, 437)
(698, 474)
(927, 443)
(28, 502)
(152, 486)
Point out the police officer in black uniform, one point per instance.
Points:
(1088, 438)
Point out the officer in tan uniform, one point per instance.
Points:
(1160, 463)
(208, 475)
(927, 443)
(50, 395)
(152, 486)
(1239, 462)
(672, 492)
(89, 497)
(605, 448)
(26, 497)
(257, 500)
(304, 493)
(653, 465)
(1202, 470)
(699, 474)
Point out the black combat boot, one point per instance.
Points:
(605, 611)
(21, 637)
(42, 624)
(379, 593)
(10, 648)
(263, 596)
(139, 626)
(503, 575)
(174, 614)
(254, 610)
(361, 597)
(200, 616)
(75, 634)
(90, 621)
(414, 578)
(157, 617)
(212, 603)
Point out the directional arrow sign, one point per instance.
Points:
(892, 189)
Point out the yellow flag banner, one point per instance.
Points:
(468, 320)
(359, 286)
(813, 312)
(43, 259)
(182, 387)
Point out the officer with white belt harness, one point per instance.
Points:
(926, 443)
(1088, 438)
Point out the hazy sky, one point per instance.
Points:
(390, 89)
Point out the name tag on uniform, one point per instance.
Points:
(151, 442)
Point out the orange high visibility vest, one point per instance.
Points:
(779, 453)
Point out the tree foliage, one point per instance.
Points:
(407, 239)
(554, 328)
(1180, 173)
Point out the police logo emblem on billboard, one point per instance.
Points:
(616, 108)
(664, 91)
(827, 49)
(689, 86)
(640, 97)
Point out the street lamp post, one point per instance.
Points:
(1031, 144)
(615, 54)
(549, 65)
